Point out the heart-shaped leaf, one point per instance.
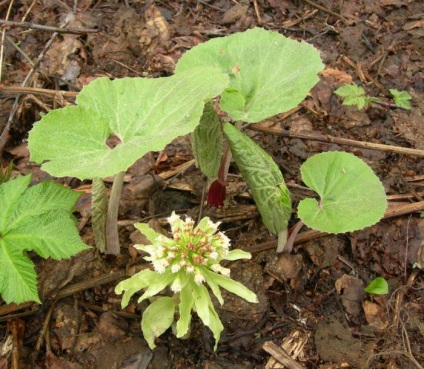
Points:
(117, 122)
(351, 195)
(269, 73)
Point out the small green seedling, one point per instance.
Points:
(39, 219)
(186, 263)
(401, 98)
(356, 95)
(378, 286)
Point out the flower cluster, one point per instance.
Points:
(190, 250)
(185, 263)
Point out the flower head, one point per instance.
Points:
(189, 248)
(185, 262)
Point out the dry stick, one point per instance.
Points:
(28, 11)
(337, 140)
(313, 234)
(258, 14)
(3, 36)
(18, 90)
(19, 50)
(325, 10)
(281, 356)
(76, 31)
(67, 291)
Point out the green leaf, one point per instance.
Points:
(215, 325)
(10, 195)
(238, 254)
(269, 73)
(206, 311)
(212, 284)
(378, 286)
(157, 284)
(207, 142)
(184, 308)
(351, 195)
(264, 178)
(401, 98)
(6, 174)
(18, 280)
(149, 232)
(157, 318)
(232, 286)
(134, 284)
(99, 203)
(138, 114)
(201, 302)
(39, 219)
(353, 95)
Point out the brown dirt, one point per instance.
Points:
(312, 301)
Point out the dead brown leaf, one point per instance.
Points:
(352, 293)
(375, 314)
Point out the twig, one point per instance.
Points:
(281, 356)
(28, 10)
(3, 36)
(305, 16)
(77, 31)
(259, 127)
(67, 291)
(18, 90)
(404, 209)
(258, 15)
(19, 50)
(325, 10)
(313, 234)
(210, 5)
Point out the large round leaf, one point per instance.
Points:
(269, 73)
(351, 195)
(140, 114)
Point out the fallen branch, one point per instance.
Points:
(260, 127)
(28, 25)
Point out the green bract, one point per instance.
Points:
(265, 181)
(351, 195)
(207, 142)
(140, 114)
(33, 219)
(269, 73)
(184, 263)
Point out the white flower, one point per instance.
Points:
(214, 255)
(160, 265)
(175, 267)
(199, 278)
(189, 268)
(176, 285)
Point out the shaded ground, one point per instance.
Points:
(311, 301)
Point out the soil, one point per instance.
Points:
(313, 312)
